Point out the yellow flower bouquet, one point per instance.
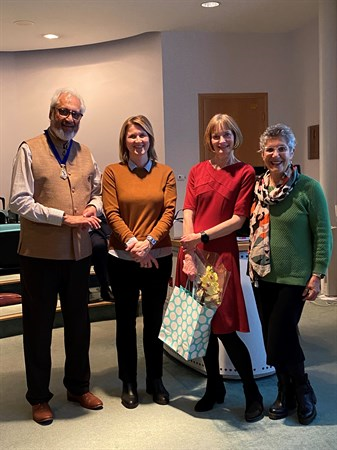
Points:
(211, 279)
(186, 324)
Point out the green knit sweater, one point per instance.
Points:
(300, 234)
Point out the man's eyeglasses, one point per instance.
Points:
(64, 112)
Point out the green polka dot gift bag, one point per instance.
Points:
(186, 324)
(187, 320)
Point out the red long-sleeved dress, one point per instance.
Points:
(214, 196)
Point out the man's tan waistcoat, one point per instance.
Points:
(42, 240)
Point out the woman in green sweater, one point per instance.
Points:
(290, 249)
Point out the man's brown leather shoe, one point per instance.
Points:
(42, 413)
(87, 400)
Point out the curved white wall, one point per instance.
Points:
(116, 79)
(160, 75)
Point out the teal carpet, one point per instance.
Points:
(176, 426)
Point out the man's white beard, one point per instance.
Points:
(59, 132)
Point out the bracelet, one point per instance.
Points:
(318, 275)
(131, 241)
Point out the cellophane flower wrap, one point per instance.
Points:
(211, 279)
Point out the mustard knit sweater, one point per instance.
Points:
(139, 203)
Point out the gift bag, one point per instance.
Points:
(186, 324)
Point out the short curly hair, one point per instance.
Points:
(278, 130)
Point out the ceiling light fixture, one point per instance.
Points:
(51, 36)
(210, 4)
(24, 23)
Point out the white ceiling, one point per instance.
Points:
(82, 22)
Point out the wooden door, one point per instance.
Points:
(250, 111)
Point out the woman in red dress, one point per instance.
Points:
(217, 203)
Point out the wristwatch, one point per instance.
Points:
(151, 240)
(204, 237)
(319, 275)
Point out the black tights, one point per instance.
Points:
(237, 352)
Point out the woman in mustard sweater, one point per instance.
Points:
(139, 196)
(291, 244)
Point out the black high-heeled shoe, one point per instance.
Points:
(130, 395)
(215, 393)
(254, 403)
(158, 391)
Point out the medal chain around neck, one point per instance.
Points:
(61, 161)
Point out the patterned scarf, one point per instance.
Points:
(259, 251)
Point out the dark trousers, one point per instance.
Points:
(41, 281)
(127, 279)
(280, 308)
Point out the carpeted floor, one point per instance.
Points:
(176, 426)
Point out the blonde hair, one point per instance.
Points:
(220, 122)
(144, 123)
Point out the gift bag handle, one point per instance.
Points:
(190, 287)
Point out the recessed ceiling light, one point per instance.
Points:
(51, 36)
(24, 23)
(210, 4)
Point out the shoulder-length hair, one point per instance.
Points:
(144, 123)
(220, 122)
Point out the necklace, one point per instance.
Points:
(63, 161)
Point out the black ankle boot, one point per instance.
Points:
(130, 395)
(306, 401)
(157, 389)
(215, 393)
(285, 401)
(254, 403)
